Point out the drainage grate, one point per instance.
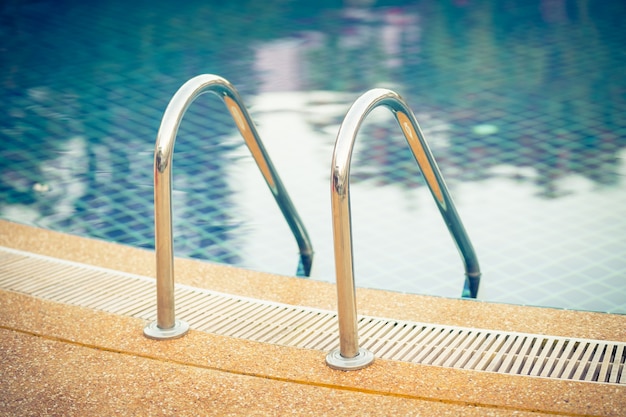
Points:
(282, 324)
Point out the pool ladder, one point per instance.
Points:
(349, 356)
(166, 325)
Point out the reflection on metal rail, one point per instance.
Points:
(166, 326)
(349, 356)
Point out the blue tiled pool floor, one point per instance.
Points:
(522, 102)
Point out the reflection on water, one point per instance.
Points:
(522, 102)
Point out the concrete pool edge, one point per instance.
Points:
(432, 387)
(317, 294)
(70, 325)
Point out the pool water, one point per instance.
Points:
(523, 103)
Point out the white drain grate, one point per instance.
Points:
(447, 346)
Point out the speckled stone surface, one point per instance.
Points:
(75, 380)
(297, 291)
(57, 359)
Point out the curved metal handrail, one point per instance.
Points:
(349, 356)
(166, 326)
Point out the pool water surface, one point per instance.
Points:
(522, 102)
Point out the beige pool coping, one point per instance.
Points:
(57, 359)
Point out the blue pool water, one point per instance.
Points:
(522, 101)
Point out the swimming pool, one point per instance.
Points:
(523, 105)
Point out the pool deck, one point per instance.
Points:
(57, 359)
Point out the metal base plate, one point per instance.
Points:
(360, 361)
(153, 331)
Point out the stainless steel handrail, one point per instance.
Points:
(349, 356)
(166, 325)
